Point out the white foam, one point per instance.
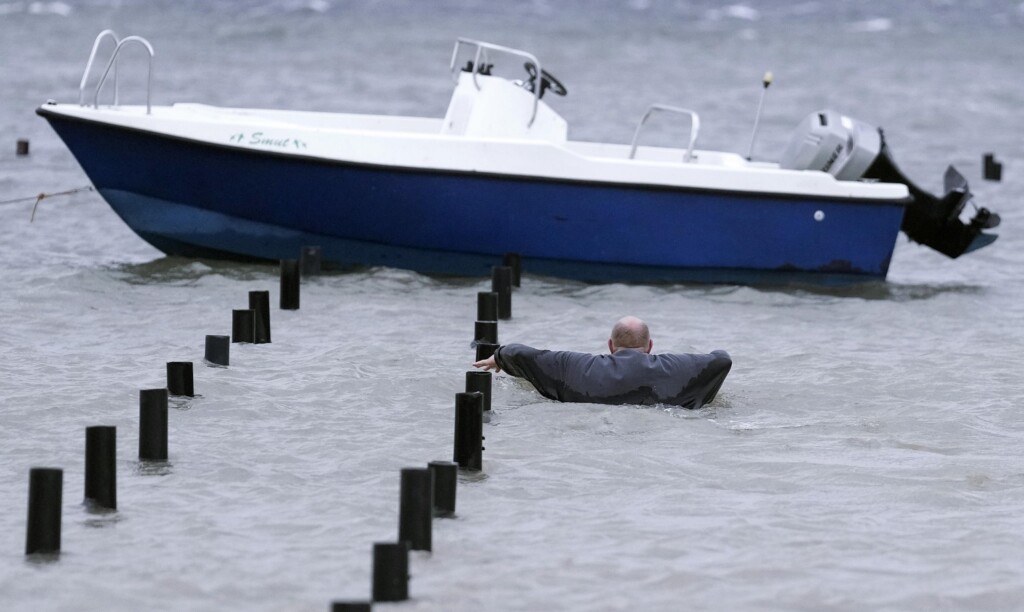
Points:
(880, 24)
(742, 11)
(733, 11)
(50, 8)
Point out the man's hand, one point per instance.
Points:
(488, 364)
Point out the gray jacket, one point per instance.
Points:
(627, 376)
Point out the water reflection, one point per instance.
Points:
(99, 516)
(42, 559)
(153, 468)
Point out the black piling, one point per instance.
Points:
(480, 382)
(351, 606)
(22, 148)
(469, 423)
(290, 276)
(259, 303)
(416, 508)
(153, 424)
(179, 378)
(486, 306)
(390, 571)
(485, 331)
(501, 283)
(514, 261)
(101, 467)
(243, 325)
(310, 260)
(218, 349)
(485, 350)
(445, 480)
(45, 490)
(993, 170)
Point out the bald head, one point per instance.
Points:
(630, 333)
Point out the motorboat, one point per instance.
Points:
(498, 173)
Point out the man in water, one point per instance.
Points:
(630, 374)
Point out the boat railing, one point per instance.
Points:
(481, 54)
(88, 65)
(113, 60)
(694, 127)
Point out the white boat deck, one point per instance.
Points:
(433, 126)
(425, 143)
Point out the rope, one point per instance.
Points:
(42, 196)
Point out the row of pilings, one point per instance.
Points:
(43, 530)
(428, 493)
(425, 493)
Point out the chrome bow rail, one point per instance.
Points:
(112, 63)
(88, 66)
(481, 53)
(694, 127)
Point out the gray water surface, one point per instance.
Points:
(864, 454)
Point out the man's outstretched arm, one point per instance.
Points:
(544, 369)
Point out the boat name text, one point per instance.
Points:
(260, 139)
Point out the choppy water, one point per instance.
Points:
(865, 452)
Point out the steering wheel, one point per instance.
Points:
(547, 81)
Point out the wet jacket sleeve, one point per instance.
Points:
(545, 370)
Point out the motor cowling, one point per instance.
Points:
(833, 143)
(852, 150)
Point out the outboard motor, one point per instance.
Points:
(852, 150)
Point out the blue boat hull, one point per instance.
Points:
(196, 199)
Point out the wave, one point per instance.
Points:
(50, 8)
(36, 8)
(734, 11)
(878, 24)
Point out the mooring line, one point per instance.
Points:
(42, 196)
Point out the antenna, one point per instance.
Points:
(766, 81)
